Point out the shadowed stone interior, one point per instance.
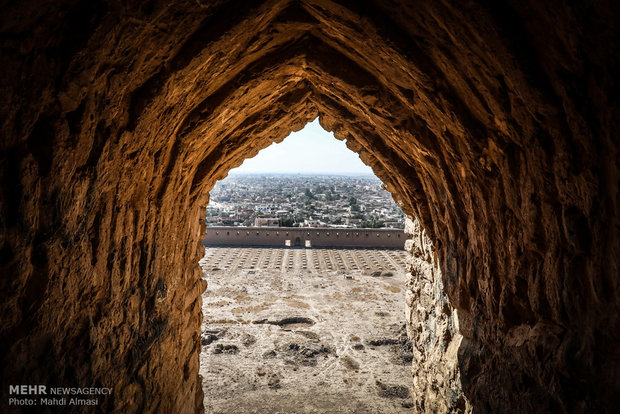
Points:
(493, 123)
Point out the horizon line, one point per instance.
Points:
(370, 174)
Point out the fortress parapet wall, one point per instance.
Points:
(304, 237)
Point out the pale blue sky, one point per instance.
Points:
(309, 151)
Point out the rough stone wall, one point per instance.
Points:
(432, 326)
(495, 123)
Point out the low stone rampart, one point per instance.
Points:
(304, 237)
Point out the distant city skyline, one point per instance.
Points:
(309, 151)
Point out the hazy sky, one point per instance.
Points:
(311, 150)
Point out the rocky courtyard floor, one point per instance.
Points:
(305, 331)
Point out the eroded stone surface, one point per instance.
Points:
(491, 122)
(305, 338)
(432, 325)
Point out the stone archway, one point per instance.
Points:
(496, 132)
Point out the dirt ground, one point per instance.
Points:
(305, 331)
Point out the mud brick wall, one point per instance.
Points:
(278, 236)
